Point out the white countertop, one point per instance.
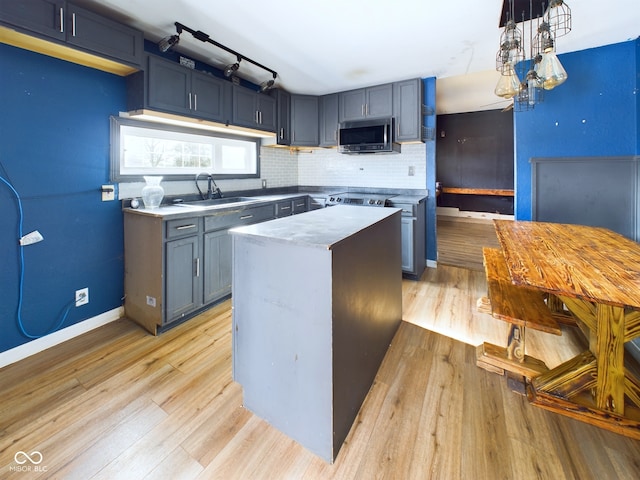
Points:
(318, 228)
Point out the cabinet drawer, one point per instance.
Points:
(284, 208)
(183, 227)
(236, 218)
(300, 205)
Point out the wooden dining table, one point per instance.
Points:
(593, 273)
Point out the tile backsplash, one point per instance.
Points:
(327, 167)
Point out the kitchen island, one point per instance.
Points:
(317, 299)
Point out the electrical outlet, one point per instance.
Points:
(108, 193)
(412, 171)
(264, 183)
(82, 297)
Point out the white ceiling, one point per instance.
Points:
(326, 46)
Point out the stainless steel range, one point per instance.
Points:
(357, 198)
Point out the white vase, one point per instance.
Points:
(152, 192)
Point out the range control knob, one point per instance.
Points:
(371, 201)
(379, 202)
(331, 199)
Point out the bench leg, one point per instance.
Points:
(515, 343)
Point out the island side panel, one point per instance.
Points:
(367, 311)
(282, 337)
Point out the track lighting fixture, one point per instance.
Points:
(268, 84)
(168, 42)
(232, 68)
(229, 71)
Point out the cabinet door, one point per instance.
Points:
(40, 16)
(329, 120)
(209, 96)
(267, 109)
(352, 105)
(217, 265)
(103, 36)
(168, 85)
(407, 110)
(283, 107)
(304, 120)
(183, 286)
(245, 107)
(379, 101)
(407, 245)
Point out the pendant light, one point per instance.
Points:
(549, 70)
(509, 84)
(558, 16)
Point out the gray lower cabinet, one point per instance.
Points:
(67, 23)
(413, 238)
(175, 268)
(183, 287)
(216, 265)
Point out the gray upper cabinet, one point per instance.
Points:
(283, 105)
(45, 17)
(70, 24)
(366, 103)
(328, 113)
(407, 110)
(177, 89)
(254, 110)
(304, 120)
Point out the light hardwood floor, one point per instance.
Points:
(117, 403)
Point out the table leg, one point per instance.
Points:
(610, 358)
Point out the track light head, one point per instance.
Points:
(168, 42)
(268, 84)
(232, 68)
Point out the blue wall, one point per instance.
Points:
(430, 122)
(55, 151)
(594, 113)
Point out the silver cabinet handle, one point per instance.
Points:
(61, 20)
(198, 267)
(73, 24)
(195, 101)
(186, 227)
(285, 208)
(362, 109)
(256, 116)
(189, 100)
(300, 204)
(244, 217)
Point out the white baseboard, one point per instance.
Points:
(40, 344)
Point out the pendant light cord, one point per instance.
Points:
(21, 274)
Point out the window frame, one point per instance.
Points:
(114, 159)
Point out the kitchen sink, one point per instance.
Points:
(215, 202)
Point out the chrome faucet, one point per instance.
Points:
(213, 190)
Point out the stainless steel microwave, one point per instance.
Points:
(367, 136)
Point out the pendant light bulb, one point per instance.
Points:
(550, 70)
(509, 84)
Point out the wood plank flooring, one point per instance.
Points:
(117, 403)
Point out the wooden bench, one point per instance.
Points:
(500, 192)
(520, 307)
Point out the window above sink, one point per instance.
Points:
(177, 153)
